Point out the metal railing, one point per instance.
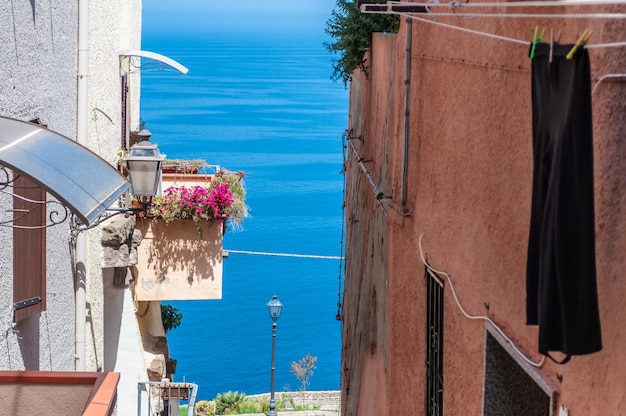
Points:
(163, 398)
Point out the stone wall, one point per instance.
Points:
(325, 400)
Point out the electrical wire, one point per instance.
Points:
(265, 253)
(344, 148)
(607, 76)
(476, 317)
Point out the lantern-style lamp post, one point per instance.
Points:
(144, 170)
(275, 307)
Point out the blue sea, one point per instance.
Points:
(265, 106)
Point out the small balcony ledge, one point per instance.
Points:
(58, 392)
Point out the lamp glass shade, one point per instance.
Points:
(144, 176)
(144, 168)
(275, 307)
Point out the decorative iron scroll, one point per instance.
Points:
(77, 226)
(56, 215)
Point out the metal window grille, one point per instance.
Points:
(434, 344)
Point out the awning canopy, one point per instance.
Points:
(80, 179)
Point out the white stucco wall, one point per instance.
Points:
(38, 68)
(114, 28)
(38, 80)
(113, 341)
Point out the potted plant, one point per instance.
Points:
(222, 199)
(180, 256)
(183, 166)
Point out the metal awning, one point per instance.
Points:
(80, 179)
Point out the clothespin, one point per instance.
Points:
(536, 40)
(581, 41)
(551, 44)
(532, 49)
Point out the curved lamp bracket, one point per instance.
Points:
(131, 62)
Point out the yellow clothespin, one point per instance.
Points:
(581, 41)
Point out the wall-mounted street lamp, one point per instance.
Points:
(275, 307)
(143, 164)
(144, 169)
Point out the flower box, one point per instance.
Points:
(179, 260)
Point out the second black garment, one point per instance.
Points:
(561, 293)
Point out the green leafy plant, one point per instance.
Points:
(303, 370)
(171, 317)
(352, 34)
(228, 403)
(250, 406)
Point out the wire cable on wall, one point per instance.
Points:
(380, 196)
(538, 364)
(344, 149)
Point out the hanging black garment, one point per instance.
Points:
(561, 293)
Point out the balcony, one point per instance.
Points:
(180, 256)
(54, 392)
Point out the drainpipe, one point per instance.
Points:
(81, 138)
(407, 112)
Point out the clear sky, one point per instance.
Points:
(243, 16)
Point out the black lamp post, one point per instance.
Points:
(275, 307)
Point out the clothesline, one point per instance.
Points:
(494, 36)
(548, 3)
(426, 9)
(604, 16)
(265, 253)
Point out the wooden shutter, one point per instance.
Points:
(29, 249)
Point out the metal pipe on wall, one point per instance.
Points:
(407, 113)
(81, 138)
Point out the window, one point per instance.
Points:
(512, 386)
(434, 344)
(29, 249)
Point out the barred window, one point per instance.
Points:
(434, 344)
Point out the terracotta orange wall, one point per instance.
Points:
(56, 392)
(469, 189)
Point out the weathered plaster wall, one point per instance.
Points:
(38, 80)
(469, 187)
(114, 28)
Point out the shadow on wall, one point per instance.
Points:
(181, 260)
